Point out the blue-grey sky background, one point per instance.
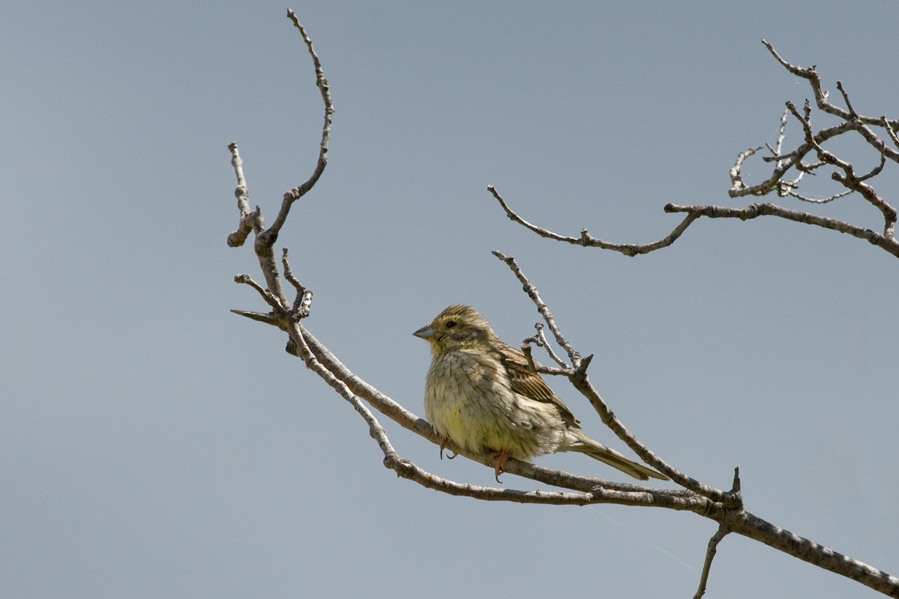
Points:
(152, 444)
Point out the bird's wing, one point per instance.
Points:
(530, 384)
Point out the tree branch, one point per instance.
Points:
(588, 240)
(723, 531)
(849, 179)
(725, 508)
(755, 210)
(775, 183)
(821, 97)
(271, 235)
(252, 221)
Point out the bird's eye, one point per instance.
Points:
(450, 324)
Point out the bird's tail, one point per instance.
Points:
(578, 441)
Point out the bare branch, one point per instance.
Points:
(266, 317)
(303, 300)
(534, 294)
(588, 240)
(755, 210)
(271, 235)
(852, 112)
(783, 163)
(875, 171)
(849, 179)
(528, 354)
(781, 134)
(826, 200)
(816, 554)
(270, 299)
(813, 79)
(723, 531)
(887, 242)
(540, 340)
(821, 96)
(288, 274)
(891, 131)
(541, 336)
(787, 188)
(253, 221)
(249, 221)
(736, 177)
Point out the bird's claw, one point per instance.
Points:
(442, 447)
(501, 458)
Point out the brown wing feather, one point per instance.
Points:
(531, 384)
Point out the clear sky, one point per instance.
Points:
(152, 444)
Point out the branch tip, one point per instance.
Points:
(585, 363)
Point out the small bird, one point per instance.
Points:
(481, 394)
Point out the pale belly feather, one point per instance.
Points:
(471, 403)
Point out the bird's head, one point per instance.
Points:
(457, 327)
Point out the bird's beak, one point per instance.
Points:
(424, 332)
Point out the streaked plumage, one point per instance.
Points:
(480, 395)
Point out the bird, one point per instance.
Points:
(481, 395)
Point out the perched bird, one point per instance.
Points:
(481, 395)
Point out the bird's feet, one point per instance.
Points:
(501, 458)
(442, 447)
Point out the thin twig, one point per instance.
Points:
(303, 300)
(826, 200)
(249, 221)
(848, 178)
(891, 131)
(271, 235)
(712, 549)
(736, 178)
(541, 335)
(528, 354)
(534, 294)
(755, 210)
(587, 240)
(267, 295)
